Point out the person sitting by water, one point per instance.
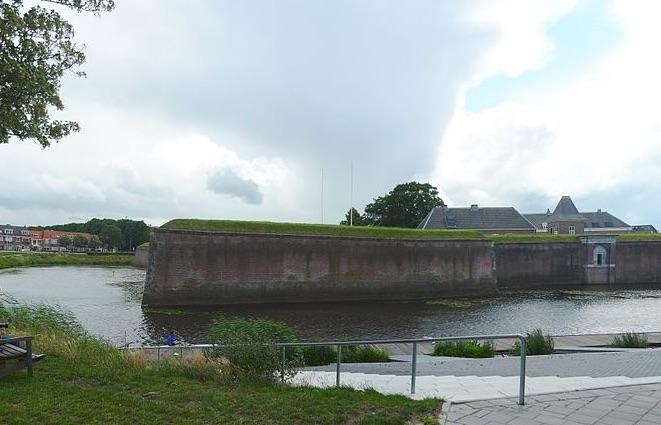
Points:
(174, 339)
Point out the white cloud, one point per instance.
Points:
(600, 132)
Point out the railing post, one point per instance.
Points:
(28, 348)
(284, 360)
(339, 360)
(414, 358)
(522, 376)
(158, 354)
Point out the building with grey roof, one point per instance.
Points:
(566, 219)
(485, 219)
(14, 238)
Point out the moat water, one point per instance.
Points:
(106, 300)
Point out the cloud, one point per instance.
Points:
(594, 136)
(227, 182)
(253, 100)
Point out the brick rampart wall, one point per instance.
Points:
(638, 262)
(525, 265)
(193, 268)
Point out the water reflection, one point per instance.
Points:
(107, 302)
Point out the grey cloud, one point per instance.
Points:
(227, 182)
(317, 83)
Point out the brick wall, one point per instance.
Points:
(638, 262)
(526, 265)
(193, 268)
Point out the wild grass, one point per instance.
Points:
(33, 259)
(470, 349)
(317, 229)
(86, 381)
(537, 343)
(630, 340)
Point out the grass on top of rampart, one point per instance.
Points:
(35, 259)
(546, 237)
(317, 229)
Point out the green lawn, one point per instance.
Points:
(318, 229)
(31, 259)
(85, 381)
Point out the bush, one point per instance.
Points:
(630, 340)
(363, 354)
(248, 345)
(537, 343)
(319, 355)
(471, 349)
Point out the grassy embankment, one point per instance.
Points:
(86, 381)
(318, 229)
(30, 259)
(377, 232)
(545, 237)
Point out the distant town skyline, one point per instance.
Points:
(222, 109)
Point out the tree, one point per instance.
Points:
(357, 218)
(404, 206)
(94, 242)
(64, 241)
(79, 241)
(36, 49)
(111, 236)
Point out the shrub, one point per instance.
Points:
(363, 354)
(248, 346)
(537, 344)
(630, 340)
(472, 349)
(319, 355)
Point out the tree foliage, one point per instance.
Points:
(357, 219)
(404, 206)
(64, 241)
(36, 49)
(123, 234)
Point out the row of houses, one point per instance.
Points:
(565, 219)
(21, 238)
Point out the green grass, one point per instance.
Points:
(30, 259)
(470, 349)
(86, 381)
(630, 340)
(317, 229)
(642, 237)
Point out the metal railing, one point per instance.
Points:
(414, 354)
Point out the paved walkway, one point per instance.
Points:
(633, 364)
(610, 406)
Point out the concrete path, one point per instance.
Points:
(633, 364)
(610, 406)
(464, 388)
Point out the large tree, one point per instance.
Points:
(36, 49)
(404, 206)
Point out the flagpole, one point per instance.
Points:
(351, 195)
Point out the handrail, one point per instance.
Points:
(414, 341)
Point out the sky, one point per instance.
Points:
(234, 110)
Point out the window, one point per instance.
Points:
(572, 230)
(600, 256)
(596, 224)
(545, 225)
(9, 231)
(608, 224)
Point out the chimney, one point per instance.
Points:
(474, 207)
(599, 210)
